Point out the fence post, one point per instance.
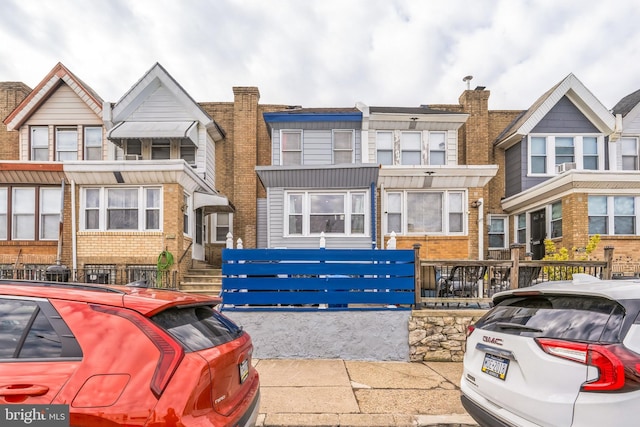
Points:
(608, 257)
(239, 244)
(229, 240)
(323, 241)
(516, 250)
(391, 243)
(417, 280)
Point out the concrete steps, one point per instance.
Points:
(202, 279)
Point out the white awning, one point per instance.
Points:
(137, 130)
(212, 203)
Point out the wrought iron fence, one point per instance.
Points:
(149, 276)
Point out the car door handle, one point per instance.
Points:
(23, 390)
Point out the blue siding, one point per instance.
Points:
(514, 166)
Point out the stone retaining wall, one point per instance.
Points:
(439, 335)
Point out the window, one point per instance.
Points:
(295, 213)
(4, 208)
(357, 213)
(92, 209)
(565, 150)
(456, 213)
(590, 153)
(437, 148)
(93, 143)
(342, 146)
(538, 155)
(497, 232)
(521, 228)
(310, 213)
(411, 148)
(24, 218)
(160, 149)
(629, 149)
(394, 212)
(185, 213)
(152, 208)
(326, 213)
(426, 212)
(583, 152)
(122, 209)
(223, 223)
(40, 143)
(291, 147)
(66, 144)
(617, 213)
(49, 213)
(384, 146)
(556, 219)
(188, 152)
(130, 208)
(134, 147)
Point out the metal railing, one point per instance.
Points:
(151, 276)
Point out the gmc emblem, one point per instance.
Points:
(491, 340)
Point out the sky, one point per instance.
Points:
(330, 53)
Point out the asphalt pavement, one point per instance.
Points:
(345, 393)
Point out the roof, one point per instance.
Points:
(349, 114)
(57, 76)
(423, 109)
(626, 104)
(577, 93)
(318, 176)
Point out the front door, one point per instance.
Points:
(538, 233)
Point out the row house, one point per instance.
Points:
(158, 172)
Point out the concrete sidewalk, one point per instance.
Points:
(306, 392)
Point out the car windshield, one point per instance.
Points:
(197, 328)
(569, 317)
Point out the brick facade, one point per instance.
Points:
(11, 94)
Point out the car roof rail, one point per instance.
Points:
(63, 285)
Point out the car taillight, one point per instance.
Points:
(171, 352)
(470, 330)
(618, 367)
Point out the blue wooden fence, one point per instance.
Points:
(312, 279)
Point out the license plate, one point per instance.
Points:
(495, 366)
(244, 370)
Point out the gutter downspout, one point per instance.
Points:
(480, 229)
(60, 225)
(74, 245)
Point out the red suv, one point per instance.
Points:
(122, 355)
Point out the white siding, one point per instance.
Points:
(161, 105)
(64, 107)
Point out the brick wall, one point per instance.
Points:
(11, 95)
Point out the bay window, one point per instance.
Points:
(583, 152)
(425, 212)
(130, 208)
(312, 213)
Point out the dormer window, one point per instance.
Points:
(66, 143)
(93, 143)
(559, 153)
(188, 152)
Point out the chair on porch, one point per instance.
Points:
(462, 281)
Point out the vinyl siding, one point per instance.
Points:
(64, 107)
(161, 105)
(564, 117)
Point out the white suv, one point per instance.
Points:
(556, 354)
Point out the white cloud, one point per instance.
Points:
(329, 52)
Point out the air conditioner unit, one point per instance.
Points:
(132, 157)
(563, 167)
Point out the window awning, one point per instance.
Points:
(212, 203)
(137, 130)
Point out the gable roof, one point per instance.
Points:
(576, 92)
(57, 76)
(626, 104)
(153, 79)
